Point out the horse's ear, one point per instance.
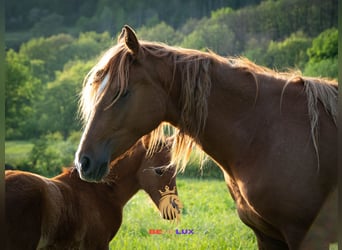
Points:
(121, 36)
(130, 39)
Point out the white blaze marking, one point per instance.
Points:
(103, 85)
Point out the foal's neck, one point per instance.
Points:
(123, 176)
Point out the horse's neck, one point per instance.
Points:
(229, 106)
(234, 111)
(230, 102)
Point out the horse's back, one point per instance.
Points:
(23, 204)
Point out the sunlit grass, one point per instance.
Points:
(208, 210)
(17, 151)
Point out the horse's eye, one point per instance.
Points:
(125, 93)
(116, 95)
(159, 171)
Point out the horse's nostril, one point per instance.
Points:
(85, 163)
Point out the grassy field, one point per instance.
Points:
(17, 151)
(208, 211)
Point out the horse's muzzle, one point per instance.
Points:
(89, 171)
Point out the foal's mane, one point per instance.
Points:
(194, 67)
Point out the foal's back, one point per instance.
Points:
(23, 204)
(45, 213)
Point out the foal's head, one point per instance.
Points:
(158, 178)
(152, 173)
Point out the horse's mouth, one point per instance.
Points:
(97, 175)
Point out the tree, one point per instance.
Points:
(50, 153)
(213, 33)
(160, 33)
(289, 53)
(50, 50)
(57, 111)
(324, 46)
(323, 55)
(21, 90)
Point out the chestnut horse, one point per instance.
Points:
(65, 212)
(273, 134)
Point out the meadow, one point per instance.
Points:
(209, 216)
(17, 151)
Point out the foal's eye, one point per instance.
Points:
(159, 171)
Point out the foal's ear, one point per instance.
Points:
(130, 39)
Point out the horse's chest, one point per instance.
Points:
(246, 213)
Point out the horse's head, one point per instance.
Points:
(122, 100)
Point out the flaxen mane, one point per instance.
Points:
(194, 67)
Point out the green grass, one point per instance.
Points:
(17, 151)
(208, 210)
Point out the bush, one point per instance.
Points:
(50, 153)
(324, 68)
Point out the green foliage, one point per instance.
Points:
(21, 91)
(288, 53)
(43, 82)
(45, 17)
(48, 25)
(88, 45)
(57, 111)
(324, 68)
(213, 33)
(325, 46)
(50, 153)
(51, 50)
(323, 55)
(160, 33)
(215, 37)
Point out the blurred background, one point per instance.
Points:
(51, 45)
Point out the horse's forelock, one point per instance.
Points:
(114, 65)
